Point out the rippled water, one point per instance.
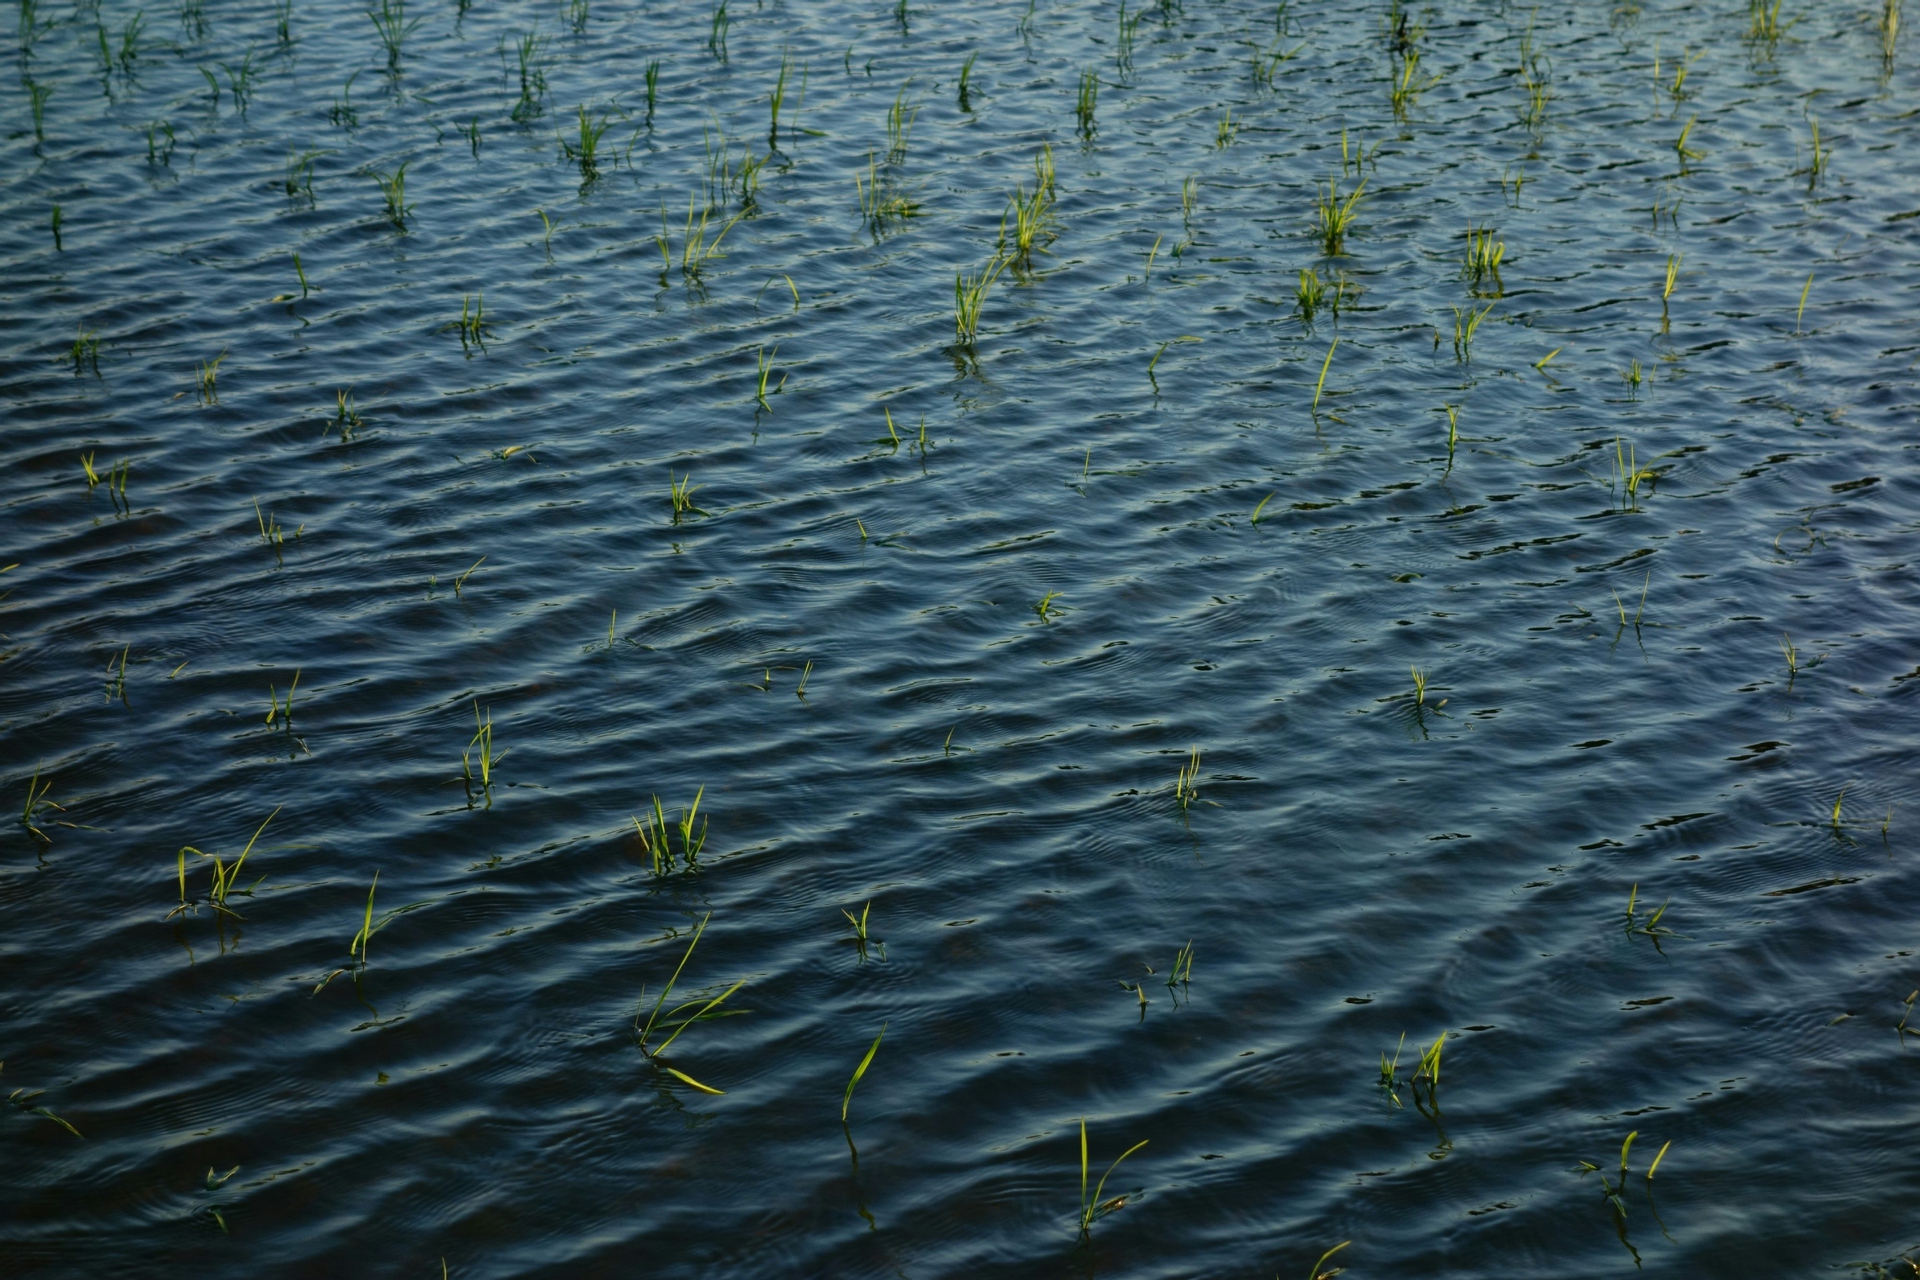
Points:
(1127, 523)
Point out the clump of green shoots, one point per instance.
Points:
(207, 380)
(472, 324)
(270, 531)
(393, 190)
(970, 295)
(882, 205)
(584, 150)
(391, 22)
(22, 1098)
(1182, 971)
(37, 804)
(900, 117)
(1465, 324)
(280, 713)
(1680, 147)
(766, 369)
(1407, 84)
(717, 32)
(1889, 27)
(347, 414)
(224, 876)
(1123, 44)
(1335, 216)
(1084, 104)
(117, 676)
(343, 114)
(1309, 294)
(115, 481)
(653, 89)
(966, 82)
(704, 1012)
(1629, 476)
(1763, 23)
(1045, 606)
(1186, 785)
(1649, 926)
(530, 50)
(1228, 129)
(656, 836)
(680, 493)
(1091, 1207)
(696, 250)
(1632, 376)
(480, 751)
(1484, 255)
(1034, 226)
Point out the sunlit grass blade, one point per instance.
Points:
(861, 1070)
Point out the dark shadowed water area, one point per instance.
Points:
(1553, 682)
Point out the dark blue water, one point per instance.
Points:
(1457, 702)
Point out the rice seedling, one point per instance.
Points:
(900, 118)
(343, 114)
(656, 835)
(1680, 147)
(1428, 1072)
(207, 380)
(23, 1098)
(56, 219)
(85, 351)
(584, 150)
(717, 32)
(882, 207)
(1153, 252)
(480, 751)
(1406, 86)
(224, 877)
(1123, 42)
(696, 250)
(1389, 1081)
(704, 1013)
(1537, 80)
(1084, 104)
(1335, 216)
(299, 180)
(1034, 226)
(276, 711)
(37, 805)
(1258, 508)
(1092, 1208)
(1453, 427)
(861, 1070)
(1045, 606)
(1833, 819)
(1225, 132)
(1797, 312)
(1310, 294)
(240, 80)
(1317, 1274)
(1817, 161)
(653, 89)
(1484, 255)
(1628, 476)
(1265, 62)
(1186, 784)
(966, 82)
(1650, 926)
(129, 54)
(347, 414)
(31, 24)
(393, 190)
(776, 98)
(766, 369)
(193, 18)
(1465, 324)
(970, 295)
(1632, 375)
(1182, 971)
(900, 15)
(530, 50)
(391, 22)
(680, 492)
(577, 11)
(461, 581)
(283, 23)
(1763, 23)
(1901, 1026)
(1321, 385)
(1889, 28)
(859, 922)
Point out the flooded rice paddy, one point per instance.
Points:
(1320, 598)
